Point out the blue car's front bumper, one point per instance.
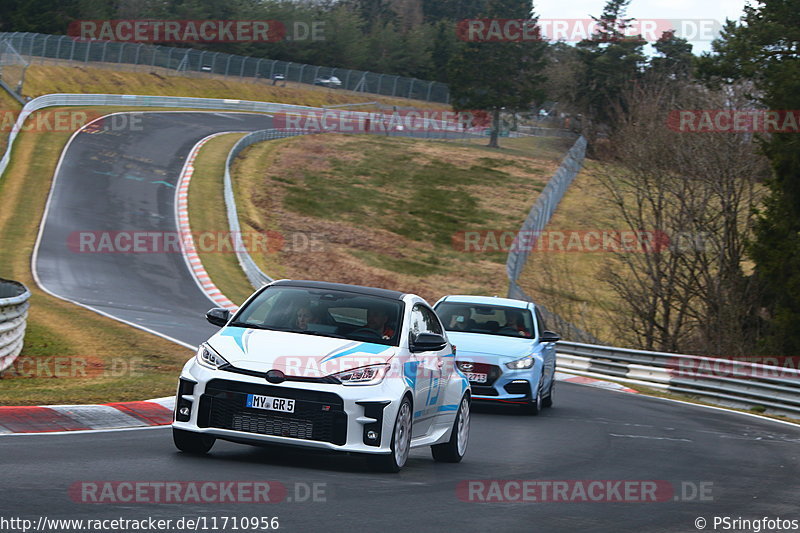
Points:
(503, 384)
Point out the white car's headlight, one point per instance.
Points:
(521, 364)
(208, 358)
(365, 375)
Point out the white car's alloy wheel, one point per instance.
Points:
(463, 427)
(402, 434)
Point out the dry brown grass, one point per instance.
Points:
(368, 243)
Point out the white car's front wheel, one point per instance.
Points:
(190, 442)
(401, 442)
(454, 449)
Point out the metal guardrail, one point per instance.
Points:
(727, 382)
(254, 274)
(66, 48)
(14, 298)
(221, 104)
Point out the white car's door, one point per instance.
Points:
(427, 397)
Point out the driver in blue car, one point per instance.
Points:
(515, 321)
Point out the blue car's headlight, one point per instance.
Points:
(521, 364)
(207, 357)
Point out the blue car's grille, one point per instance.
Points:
(492, 373)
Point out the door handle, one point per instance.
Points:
(440, 363)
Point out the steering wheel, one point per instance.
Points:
(370, 331)
(508, 329)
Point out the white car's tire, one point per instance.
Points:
(190, 442)
(454, 449)
(401, 442)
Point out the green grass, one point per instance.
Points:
(387, 208)
(207, 214)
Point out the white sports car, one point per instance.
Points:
(327, 365)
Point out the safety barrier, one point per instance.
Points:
(14, 298)
(729, 382)
(254, 274)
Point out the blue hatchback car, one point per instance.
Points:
(503, 348)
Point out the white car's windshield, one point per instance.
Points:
(488, 319)
(324, 312)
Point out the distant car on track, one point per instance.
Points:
(328, 81)
(331, 366)
(503, 348)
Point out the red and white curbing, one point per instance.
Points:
(591, 382)
(62, 418)
(187, 240)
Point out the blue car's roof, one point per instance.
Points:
(486, 300)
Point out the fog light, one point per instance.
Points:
(372, 435)
(183, 411)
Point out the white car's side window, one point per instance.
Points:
(417, 323)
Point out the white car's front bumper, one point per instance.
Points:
(327, 416)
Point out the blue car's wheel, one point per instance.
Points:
(547, 401)
(534, 407)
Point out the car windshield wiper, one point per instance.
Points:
(312, 332)
(250, 326)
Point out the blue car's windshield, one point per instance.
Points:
(324, 312)
(487, 319)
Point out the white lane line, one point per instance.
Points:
(649, 437)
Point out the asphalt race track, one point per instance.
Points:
(715, 463)
(125, 181)
(590, 434)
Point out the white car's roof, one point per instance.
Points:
(486, 300)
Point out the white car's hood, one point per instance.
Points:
(295, 354)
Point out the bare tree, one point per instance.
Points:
(692, 195)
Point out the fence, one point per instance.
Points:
(13, 315)
(12, 70)
(534, 224)
(63, 47)
(727, 382)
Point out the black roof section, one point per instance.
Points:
(368, 291)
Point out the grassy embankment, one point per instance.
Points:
(93, 352)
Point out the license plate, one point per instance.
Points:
(476, 378)
(268, 403)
